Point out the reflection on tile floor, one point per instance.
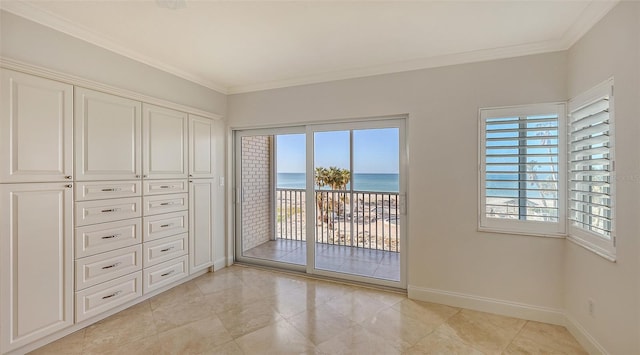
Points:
(344, 259)
(243, 310)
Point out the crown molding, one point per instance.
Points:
(593, 13)
(27, 68)
(418, 64)
(46, 18)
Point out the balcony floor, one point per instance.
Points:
(344, 259)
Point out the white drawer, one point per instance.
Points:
(165, 249)
(90, 212)
(95, 269)
(101, 298)
(153, 205)
(99, 238)
(165, 225)
(160, 187)
(163, 274)
(106, 189)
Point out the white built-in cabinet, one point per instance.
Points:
(201, 193)
(103, 200)
(201, 199)
(36, 249)
(165, 146)
(108, 136)
(200, 147)
(35, 139)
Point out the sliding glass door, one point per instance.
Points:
(325, 199)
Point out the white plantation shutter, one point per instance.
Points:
(521, 170)
(590, 170)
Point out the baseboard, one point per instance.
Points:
(588, 342)
(490, 305)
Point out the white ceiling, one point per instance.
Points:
(241, 46)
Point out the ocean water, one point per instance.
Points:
(362, 182)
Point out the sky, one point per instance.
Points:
(376, 151)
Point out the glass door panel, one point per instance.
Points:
(332, 180)
(270, 199)
(376, 187)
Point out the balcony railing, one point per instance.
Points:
(360, 219)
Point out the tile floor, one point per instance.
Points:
(243, 310)
(344, 259)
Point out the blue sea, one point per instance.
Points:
(361, 182)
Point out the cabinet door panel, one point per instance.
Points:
(36, 129)
(200, 224)
(36, 271)
(165, 143)
(200, 147)
(107, 136)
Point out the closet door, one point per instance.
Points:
(107, 136)
(36, 126)
(201, 224)
(200, 147)
(36, 276)
(165, 147)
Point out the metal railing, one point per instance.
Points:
(362, 219)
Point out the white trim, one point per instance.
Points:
(27, 68)
(592, 14)
(43, 17)
(511, 309)
(511, 226)
(588, 342)
(595, 11)
(487, 304)
(342, 120)
(591, 241)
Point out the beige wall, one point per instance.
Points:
(446, 252)
(612, 49)
(35, 44)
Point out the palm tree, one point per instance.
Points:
(335, 178)
(321, 177)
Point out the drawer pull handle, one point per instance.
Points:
(168, 273)
(112, 295)
(111, 189)
(111, 236)
(166, 203)
(166, 249)
(110, 210)
(166, 225)
(111, 266)
(165, 186)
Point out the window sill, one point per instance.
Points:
(523, 233)
(592, 248)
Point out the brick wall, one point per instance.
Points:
(256, 181)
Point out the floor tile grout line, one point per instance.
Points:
(515, 336)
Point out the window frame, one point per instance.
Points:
(580, 236)
(513, 226)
